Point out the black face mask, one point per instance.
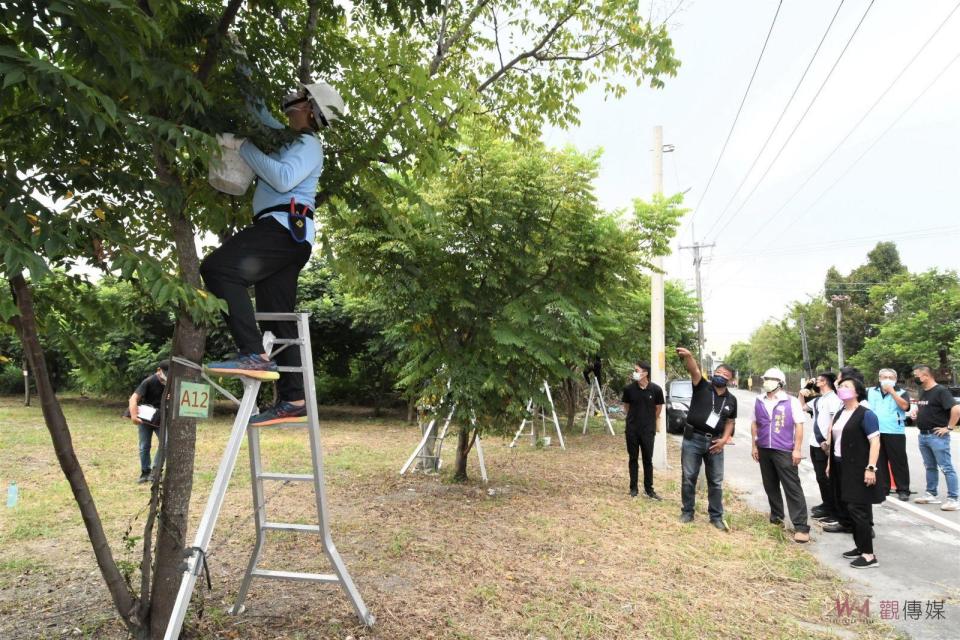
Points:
(917, 380)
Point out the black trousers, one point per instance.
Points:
(640, 440)
(861, 515)
(266, 257)
(819, 459)
(777, 470)
(894, 446)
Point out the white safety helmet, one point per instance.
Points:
(326, 103)
(775, 374)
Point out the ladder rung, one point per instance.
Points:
(289, 526)
(287, 341)
(297, 477)
(295, 575)
(290, 369)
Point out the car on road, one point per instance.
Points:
(679, 394)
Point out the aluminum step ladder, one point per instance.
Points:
(532, 415)
(195, 555)
(421, 453)
(596, 395)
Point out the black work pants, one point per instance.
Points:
(777, 469)
(640, 441)
(894, 446)
(819, 458)
(266, 257)
(861, 515)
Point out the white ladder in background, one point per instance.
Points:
(420, 453)
(531, 417)
(596, 395)
(195, 555)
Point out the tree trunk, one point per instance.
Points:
(464, 444)
(26, 324)
(189, 341)
(411, 410)
(26, 384)
(572, 398)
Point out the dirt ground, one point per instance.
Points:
(552, 547)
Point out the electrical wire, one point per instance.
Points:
(743, 100)
(803, 117)
(856, 126)
(776, 125)
(846, 172)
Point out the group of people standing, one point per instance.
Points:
(858, 446)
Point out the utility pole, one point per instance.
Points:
(697, 259)
(838, 304)
(807, 369)
(658, 360)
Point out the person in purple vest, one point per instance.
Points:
(777, 426)
(855, 448)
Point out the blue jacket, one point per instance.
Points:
(891, 416)
(292, 172)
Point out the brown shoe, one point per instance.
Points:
(801, 537)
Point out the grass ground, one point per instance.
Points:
(553, 547)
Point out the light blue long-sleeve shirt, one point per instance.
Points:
(292, 172)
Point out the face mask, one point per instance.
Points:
(636, 376)
(846, 393)
(887, 382)
(918, 380)
(771, 385)
(718, 381)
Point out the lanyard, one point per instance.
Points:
(722, 404)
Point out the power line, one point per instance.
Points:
(849, 133)
(920, 95)
(777, 123)
(799, 122)
(737, 117)
(840, 243)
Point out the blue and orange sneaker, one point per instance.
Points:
(252, 365)
(280, 413)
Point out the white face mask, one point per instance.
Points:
(771, 385)
(636, 376)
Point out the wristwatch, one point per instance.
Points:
(871, 467)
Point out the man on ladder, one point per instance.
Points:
(270, 254)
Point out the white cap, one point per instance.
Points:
(776, 374)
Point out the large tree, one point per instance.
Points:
(500, 276)
(921, 325)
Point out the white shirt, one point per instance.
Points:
(799, 415)
(828, 405)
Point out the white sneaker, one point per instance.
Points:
(952, 504)
(927, 498)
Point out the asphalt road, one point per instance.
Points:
(918, 546)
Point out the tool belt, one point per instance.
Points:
(296, 218)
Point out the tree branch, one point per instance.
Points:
(26, 326)
(457, 36)
(213, 46)
(537, 48)
(305, 72)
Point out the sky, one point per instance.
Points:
(895, 178)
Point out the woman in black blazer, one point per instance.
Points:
(852, 468)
